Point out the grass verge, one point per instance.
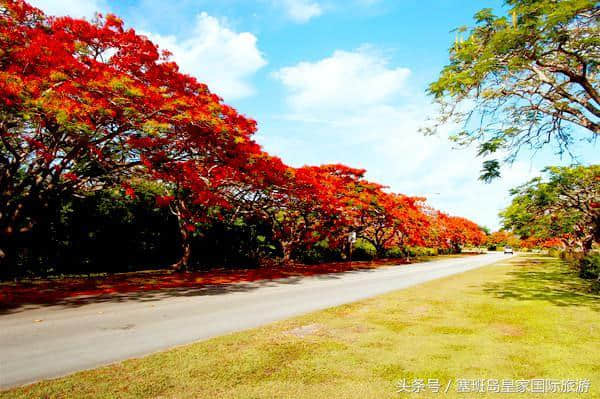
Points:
(521, 319)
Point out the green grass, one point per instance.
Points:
(529, 317)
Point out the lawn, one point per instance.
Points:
(522, 319)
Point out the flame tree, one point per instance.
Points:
(84, 104)
(89, 105)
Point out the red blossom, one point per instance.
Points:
(190, 227)
(163, 201)
(70, 176)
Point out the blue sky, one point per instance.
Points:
(335, 81)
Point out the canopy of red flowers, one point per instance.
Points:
(85, 105)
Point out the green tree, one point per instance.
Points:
(485, 229)
(523, 80)
(566, 205)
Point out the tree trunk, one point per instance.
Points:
(587, 246)
(456, 249)
(379, 251)
(186, 250)
(8, 253)
(286, 248)
(4, 266)
(350, 250)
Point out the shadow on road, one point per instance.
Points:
(188, 289)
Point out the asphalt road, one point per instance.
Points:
(45, 342)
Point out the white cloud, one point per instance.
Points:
(216, 55)
(355, 108)
(212, 52)
(385, 140)
(345, 80)
(74, 8)
(301, 11)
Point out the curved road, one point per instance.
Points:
(45, 342)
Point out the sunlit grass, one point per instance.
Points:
(529, 317)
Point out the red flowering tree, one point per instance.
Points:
(342, 190)
(552, 243)
(84, 104)
(388, 219)
(299, 205)
(452, 232)
(302, 205)
(249, 184)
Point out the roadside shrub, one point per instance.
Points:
(100, 232)
(363, 250)
(415, 252)
(589, 266)
(319, 253)
(444, 251)
(570, 257)
(427, 251)
(554, 252)
(395, 253)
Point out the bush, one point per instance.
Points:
(554, 252)
(102, 231)
(415, 252)
(570, 257)
(427, 251)
(363, 250)
(589, 267)
(319, 253)
(395, 253)
(444, 251)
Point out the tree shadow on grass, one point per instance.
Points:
(545, 279)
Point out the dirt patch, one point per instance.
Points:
(358, 329)
(304, 331)
(509, 330)
(418, 310)
(348, 334)
(453, 330)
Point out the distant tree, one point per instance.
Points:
(564, 205)
(453, 232)
(503, 238)
(485, 229)
(525, 79)
(392, 220)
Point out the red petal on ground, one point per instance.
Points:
(51, 291)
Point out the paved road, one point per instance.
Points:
(46, 342)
